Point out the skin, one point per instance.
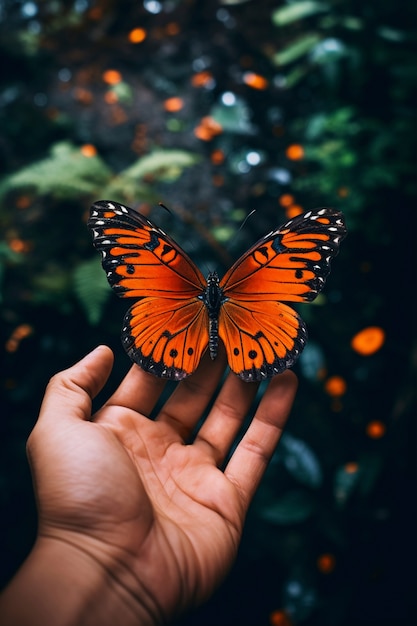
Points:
(136, 524)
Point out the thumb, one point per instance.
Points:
(69, 393)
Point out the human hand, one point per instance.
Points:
(129, 496)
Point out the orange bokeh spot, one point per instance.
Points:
(326, 563)
(293, 210)
(201, 78)
(368, 340)
(112, 77)
(256, 81)
(137, 35)
(95, 13)
(218, 180)
(111, 97)
(295, 152)
(82, 95)
(19, 333)
(23, 202)
(217, 157)
(351, 468)
(18, 245)
(118, 115)
(286, 199)
(203, 133)
(207, 129)
(280, 618)
(172, 28)
(375, 429)
(88, 150)
(343, 192)
(173, 104)
(335, 386)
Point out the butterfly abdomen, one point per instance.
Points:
(213, 298)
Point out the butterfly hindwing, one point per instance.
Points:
(166, 339)
(165, 331)
(262, 339)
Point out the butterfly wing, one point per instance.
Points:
(166, 330)
(262, 335)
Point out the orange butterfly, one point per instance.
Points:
(178, 313)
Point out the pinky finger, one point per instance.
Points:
(251, 457)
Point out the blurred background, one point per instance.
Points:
(215, 108)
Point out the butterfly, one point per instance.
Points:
(177, 313)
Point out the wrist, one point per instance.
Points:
(63, 584)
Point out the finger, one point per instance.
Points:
(138, 391)
(226, 416)
(186, 405)
(69, 393)
(252, 455)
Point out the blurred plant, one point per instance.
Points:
(222, 107)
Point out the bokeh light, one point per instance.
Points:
(137, 35)
(368, 341)
(375, 429)
(335, 386)
(326, 563)
(256, 81)
(112, 77)
(174, 104)
(295, 152)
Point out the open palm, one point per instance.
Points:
(158, 502)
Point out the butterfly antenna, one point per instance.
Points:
(246, 219)
(165, 207)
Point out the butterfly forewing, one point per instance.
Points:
(289, 264)
(166, 330)
(139, 258)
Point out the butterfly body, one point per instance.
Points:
(178, 314)
(213, 299)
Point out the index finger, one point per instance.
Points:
(138, 391)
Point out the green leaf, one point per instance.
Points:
(66, 173)
(123, 91)
(91, 288)
(162, 165)
(297, 49)
(293, 77)
(224, 233)
(300, 461)
(345, 482)
(297, 11)
(233, 118)
(137, 182)
(129, 191)
(290, 508)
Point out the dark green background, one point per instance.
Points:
(341, 83)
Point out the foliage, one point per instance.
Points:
(91, 288)
(222, 108)
(66, 173)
